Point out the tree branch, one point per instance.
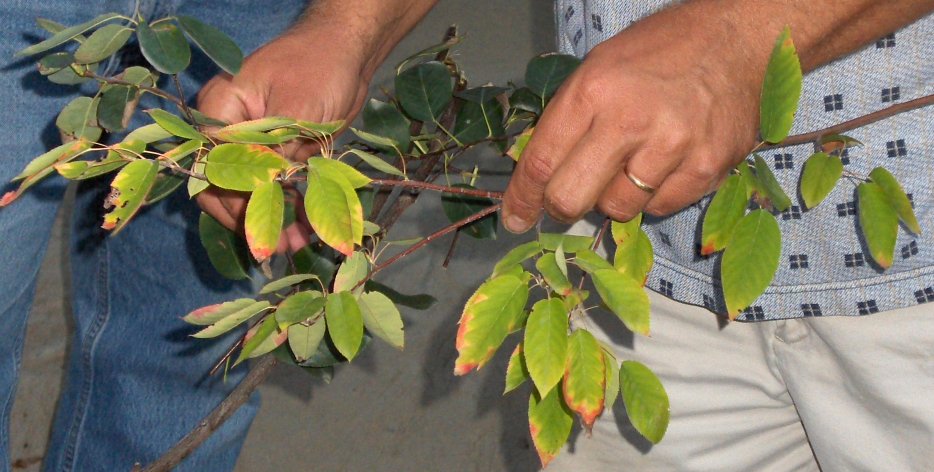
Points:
(214, 420)
(854, 123)
(491, 194)
(153, 90)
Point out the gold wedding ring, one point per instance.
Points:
(640, 183)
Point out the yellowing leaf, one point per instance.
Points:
(635, 257)
(305, 339)
(750, 261)
(781, 90)
(175, 125)
(584, 377)
(128, 192)
(354, 269)
(569, 242)
(233, 320)
(263, 221)
(334, 211)
(516, 256)
(516, 370)
(725, 210)
(645, 399)
(897, 197)
(333, 167)
(518, 146)
(242, 166)
(301, 307)
(546, 343)
(345, 323)
(878, 221)
(625, 297)
(382, 319)
(256, 337)
(550, 423)
(819, 176)
(547, 265)
(488, 317)
(210, 314)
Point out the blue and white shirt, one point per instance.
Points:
(824, 267)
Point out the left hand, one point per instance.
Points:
(656, 101)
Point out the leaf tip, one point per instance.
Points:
(708, 249)
(8, 198)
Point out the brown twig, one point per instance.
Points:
(153, 90)
(431, 237)
(181, 95)
(261, 369)
(854, 123)
(491, 194)
(450, 254)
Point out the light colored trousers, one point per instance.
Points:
(831, 394)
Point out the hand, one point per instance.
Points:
(656, 101)
(301, 76)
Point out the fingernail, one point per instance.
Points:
(515, 224)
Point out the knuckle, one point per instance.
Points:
(562, 208)
(615, 209)
(537, 169)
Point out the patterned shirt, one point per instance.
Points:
(824, 267)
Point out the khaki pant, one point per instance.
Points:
(831, 394)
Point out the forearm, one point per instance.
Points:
(368, 29)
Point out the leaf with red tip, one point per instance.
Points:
(128, 192)
(487, 318)
(334, 210)
(42, 166)
(210, 314)
(585, 377)
(725, 210)
(263, 221)
(550, 423)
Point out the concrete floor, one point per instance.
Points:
(390, 410)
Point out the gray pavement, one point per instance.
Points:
(389, 410)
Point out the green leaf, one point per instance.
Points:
(305, 340)
(482, 94)
(175, 125)
(384, 119)
(625, 297)
(183, 150)
(878, 220)
(68, 76)
(524, 99)
(211, 314)
(645, 399)
(318, 130)
(517, 255)
(584, 384)
(570, 243)
(546, 343)
(545, 73)
(139, 76)
(557, 279)
(612, 379)
(516, 370)
(897, 197)
(196, 185)
(623, 231)
(225, 250)
(233, 320)
(247, 137)
(255, 338)
(166, 183)
(725, 210)
(60, 153)
(550, 423)
(285, 282)
(819, 176)
(377, 141)
(376, 162)
(354, 269)
(148, 134)
(591, 262)
(263, 221)
(299, 308)
(750, 261)
(345, 323)
(424, 90)
(518, 146)
(116, 107)
(382, 319)
(67, 34)
(79, 119)
(261, 124)
(479, 121)
(129, 190)
(457, 207)
(781, 90)
(102, 44)
(243, 166)
(771, 193)
(334, 210)
(635, 257)
(837, 142)
(55, 62)
(164, 46)
(333, 167)
(316, 259)
(215, 44)
(488, 317)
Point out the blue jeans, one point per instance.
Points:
(136, 381)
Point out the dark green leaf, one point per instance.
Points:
(226, 251)
(116, 107)
(66, 34)
(478, 121)
(424, 90)
(457, 207)
(299, 308)
(384, 119)
(164, 46)
(215, 44)
(79, 119)
(482, 94)
(55, 62)
(317, 260)
(526, 100)
(256, 337)
(102, 44)
(545, 73)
